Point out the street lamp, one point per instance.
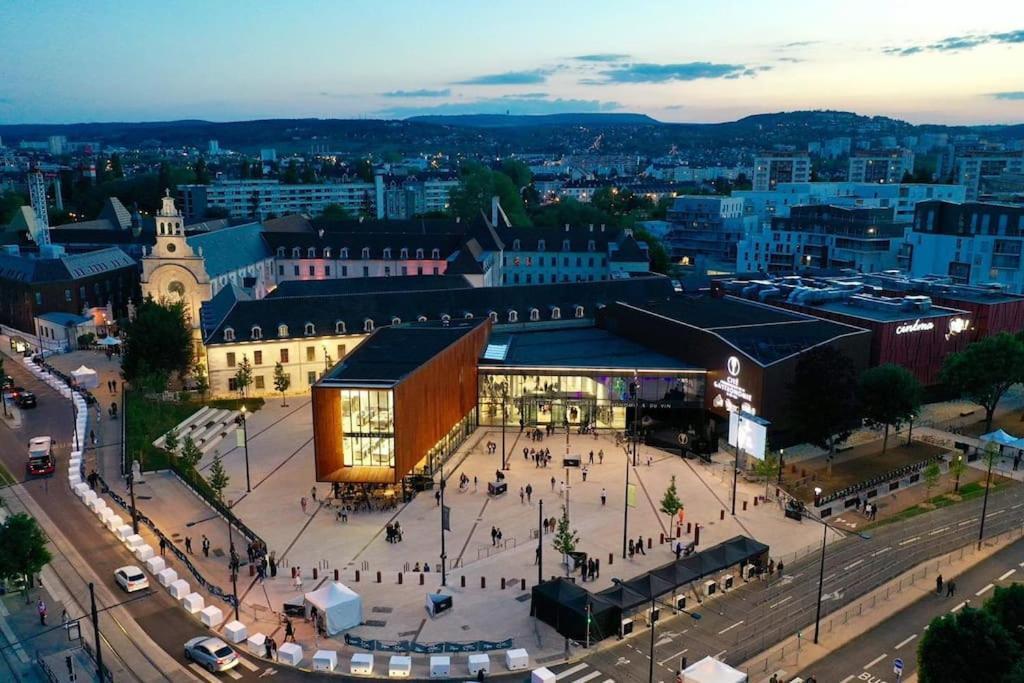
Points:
(131, 493)
(650, 669)
(782, 452)
(959, 462)
(245, 442)
(990, 455)
(504, 419)
(821, 570)
(625, 507)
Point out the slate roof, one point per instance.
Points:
(230, 249)
(367, 285)
(376, 242)
(324, 312)
(588, 347)
(65, 268)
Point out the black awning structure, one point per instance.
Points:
(563, 605)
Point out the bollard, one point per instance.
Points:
(337, 575)
(679, 530)
(696, 536)
(611, 558)
(689, 527)
(744, 506)
(421, 579)
(755, 500)
(721, 515)
(662, 537)
(293, 572)
(399, 578)
(378, 576)
(314, 573)
(483, 582)
(522, 584)
(503, 583)
(357, 576)
(252, 570)
(463, 577)
(650, 542)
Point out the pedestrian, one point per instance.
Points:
(297, 581)
(529, 492)
(938, 584)
(591, 458)
(771, 567)
(188, 545)
(268, 645)
(289, 630)
(476, 483)
(41, 608)
(163, 546)
(206, 546)
(494, 535)
(640, 545)
(679, 549)
(499, 536)
(632, 548)
(544, 523)
(536, 555)
(312, 493)
(273, 566)
(780, 567)
(302, 504)
(604, 497)
(584, 474)
(600, 457)
(437, 497)
(597, 567)
(552, 483)
(950, 589)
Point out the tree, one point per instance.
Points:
(478, 185)
(985, 370)
(282, 380)
(1007, 606)
(245, 170)
(364, 169)
(291, 174)
(565, 539)
(670, 504)
(243, 375)
(335, 212)
(116, 170)
(163, 177)
(219, 478)
(957, 467)
(171, 442)
(823, 423)
(518, 172)
(23, 551)
(190, 454)
(889, 396)
(202, 172)
(200, 378)
(655, 250)
(10, 203)
(969, 645)
(158, 340)
(767, 468)
(931, 478)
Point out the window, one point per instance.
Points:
(257, 358)
(310, 353)
(284, 355)
(256, 332)
(341, 351)
(311, 252)
(566, 246)
(540, 245)
(367, 325)
(396, 321)
(327, 271)
(405, 270)
(366, 252)
(310, 329)
(493, 315)
(446, 318)
(280, 252)
(419, 253)
(296, 253)
(39, 298)
(556, 313)
(229, 334)
(515, 245)
(344, 253)
(421, 318)
(311, 378)
(387, 271)
(232, 384)
(230, 359)
(282, 330)
(591, 245)
(367, 425)
(67, 295)
(280, 270)
(468, 316)
(513, 316)
(579, 261)
(436, 271)
(327, 252)
(387, 252)
(404, 253)
(419, 270)
(435, 254)
(366, 271)
(260, 382)
(590, 261)
(295, 270)
(534, 315)
(344, 271)
(339, 327)
(579, 311)
(312, 271)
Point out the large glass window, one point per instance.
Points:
(368, 427)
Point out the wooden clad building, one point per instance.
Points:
(404, 400)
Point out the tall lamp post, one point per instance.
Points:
(131, 494)
(504, 419)
(625, 507)
(540, 542)
(990, 455)
(245, 442)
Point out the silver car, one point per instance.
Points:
(211, 653)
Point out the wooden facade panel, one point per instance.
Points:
(327, 445)
(431, 400)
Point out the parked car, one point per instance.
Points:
(131, 579)
(26, 399)
(211, 653)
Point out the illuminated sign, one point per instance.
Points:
(748, 433)
(916, 326)
(732, 395)
(956, 326)
(733, 366)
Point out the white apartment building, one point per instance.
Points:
(770, 171)
(885, 168)
(972, 170)
(261, 199)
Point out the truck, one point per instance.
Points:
(40, 456)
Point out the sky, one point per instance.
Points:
(925, 61)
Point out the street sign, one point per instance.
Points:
(897, 666)
(683, 439)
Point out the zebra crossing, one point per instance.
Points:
(581, 673)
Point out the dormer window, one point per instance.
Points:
(419, 253)
(282, 330)
(280, 252)
(435, 254)
(540, 245)
(404, 253)
(327, 252)
(566, 246)
(446, 318)
(387, 252)
(229, 334)
(579, 312)
(534, 315)
(556, 313)
(311, 252)
(591, 245)
(367, 325)
(310, 330)
(366, 252)
(468, 316)
(296, 252)
(513, 317)
(493, 315)
(421, 319)
(256, 332)
(339, 327)
(396, 321)
(515, 245)
(344, 252)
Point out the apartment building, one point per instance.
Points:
(973, 169)
(261, 199)
(770, 171)
(887, 168)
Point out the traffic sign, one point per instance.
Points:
(897, 666)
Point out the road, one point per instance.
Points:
(873, 653)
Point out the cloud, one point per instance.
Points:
(526, 96)
(1009, 95)
(798, 43)
(532, 77)
(422, 92)
(664, 73)
(959, 43)
(601, 57)
(791, 60)
(502, 105)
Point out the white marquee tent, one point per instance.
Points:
(86, 377)
(710, 670)
(341, 607)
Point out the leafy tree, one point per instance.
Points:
(201, 378)
(670, 503)
(957, 467)
(171, 442)
(566, 538)
(655, 249)
(219, 478)
(158, 340)
(823, 423)
(245, 170)
(335, 212)
(985, 370)
(308, 174)
(291, 174)
(517, 171)
(889, 396)
(163, 176)
(767, 468)
(479, 184)
(23, 551)
(10, 202)
(190, 455)
(281, 381)
(969, 645)
(243, 375)
(116, 169)
(931, 475)
(202, 172)
(1007, 606)
(364, 169)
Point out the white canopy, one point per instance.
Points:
(109, 341)
(710, 670)
(86, 377)
(341, 607)
(999, 436)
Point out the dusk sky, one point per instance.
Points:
(939, 61)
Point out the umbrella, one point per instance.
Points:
(109, 341)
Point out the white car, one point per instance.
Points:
(131, 579)
(213, 654)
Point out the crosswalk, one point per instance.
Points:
(233, 674)
(581, 673)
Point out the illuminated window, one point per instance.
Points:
(339, 327)
(367, 425)
(282, 330)
(368, 325)
(310, 330)
(256, 332)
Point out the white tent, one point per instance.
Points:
(710, 670)
(999, 436)
(86, 377)
(109, 341)
(341, 607)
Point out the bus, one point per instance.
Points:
(40, 456)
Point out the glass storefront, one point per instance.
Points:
(447, 446)
(579, 400)
(368, 427)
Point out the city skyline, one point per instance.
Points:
(673, 61)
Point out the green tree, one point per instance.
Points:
(245, 170)
(889, 395)
(334, 212)
(767, 468)
(565, 539)
(190, 455)
(985, 370)
(158, 340)
(291, 174)
(957, 467)
(308, 174)
(116, 169)
(281, 382)
(171, 441)
(655, 249)
(969, 645)
(200, 378)
(364, 170)
(243, 375)
(10, 202)
(823, 423)
(23, 551)
(473, 196)
(202, 172)
(931, 476)
(1007, 606)
(518, 172)
(670, 504)
(219, 478)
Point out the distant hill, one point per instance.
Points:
(527, 121)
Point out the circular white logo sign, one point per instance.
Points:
(733, 365)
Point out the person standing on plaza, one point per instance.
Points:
(552, 483)
(780, 567)
(529, 493)
(312, 493)
(289, 630)
(585, 472)
(522, 496)
(206, 546)
(950, 589)
(604, 497)
(499, 536)
(273, 566)
(591, 461)
(494, 535)
(302, 504)
(600, 457)
(188, 545)
(163, 546)
(938, 584)
(640, 545)
(41, 608)
(632, 548)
